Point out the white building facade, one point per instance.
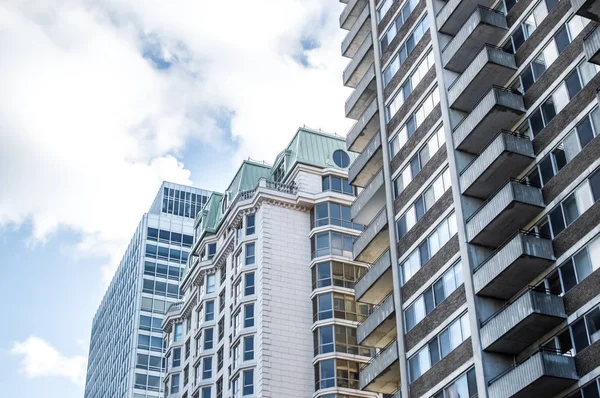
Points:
(268, 307)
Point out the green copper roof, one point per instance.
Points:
(209, 216)
(313, 148)
(247, 177)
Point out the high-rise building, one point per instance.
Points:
(126, 345)
(269, 307)
(476, 131)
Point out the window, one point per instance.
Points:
(575, 269)
(150, 323)
(176, 357)
(248, 348)
(529, 25)
(439, 347)
(220, 387)
(337, 372)
(222, 300)
(400, 20)
(206, 368)
(332, 243)
(433, 296)
(409, 85)
(221, 328)
(206, 392)
(248, 380)
(423, 203)
(175, 384)
(209, 314)
(211, 284)
(333, 214)
(337, 184)
(325, 374)
(566, 150)
(248, 315)
(464, 386)
(341, 159)
(187, 348)
(336, 273)
(418, 161)
(556, 102)
(577, 336)
(250, 253)
(338, 338)
(340, 306)
(413, 122)
(405, 50)
(590, 390)
(250, 227)
(383, 9)
(212, 250)
(428, 248)
(279, 172)
(220, 359)
(208, 339)
(178, 332)
(249, 284)
(569, 209)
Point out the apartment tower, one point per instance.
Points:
(126, 345)
(476, 132)
(268, 308)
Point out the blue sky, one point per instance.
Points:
(108, 99)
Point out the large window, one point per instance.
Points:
(334, 273)
(465, 386)
(174, 238)
(439, 347)
(209, 313)
(413, 122)
(332, 243)
(333, 214)
(151, 343)
(160, 288)
(150, 323)
(250, 253)
(249, 315)
(337, 373)
(561, 96)
(571, 207)
(573, 271)
(578, 335)
(423, 204)
(175, 384)
(211, 284)
(176, 357)
(163, 270)
(337, 184)
(249, 284)
(433, 296)
(338, 338)
(418, 161)
(428, 248)
(248, 348)
(405, 50)
(167, 254)
(529, 25)
(566, 150)
(590, 390)
(250, 224)
(206, 368)
(248, 380)
(398, 23)
(208, 338)
(340, 306)
(548, 55)
(181, 203)
(409, 85)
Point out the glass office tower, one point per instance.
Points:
(126, 345)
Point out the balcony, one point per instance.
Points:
(504, 157)
(540, 375)
(374, 240)
(521, 322)
(589, 9)
(498, 109)
(591, 46)
(382, 373)
(492, 66)
(379, 328)
(364, 129)
(351, 13)
(376, 283)
(362, 95)
(395, 394)
(504, 213)
(370, 201)
(367, 164)
(357, 34)
(509, 269)
(484, 26)
(360, 63)
(453, 15)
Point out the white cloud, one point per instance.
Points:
(40, 359)
(89, 127)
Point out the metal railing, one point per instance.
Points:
(378, 354)
(327, 221)
(502, 131)
(515, 365)
(531, 232)
(375, 308)
(522, 181)
(479, 6)
(175, 307)
(523, 292)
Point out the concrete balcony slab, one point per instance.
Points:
(379, 329)
(365, 128)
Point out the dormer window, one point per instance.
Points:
(341, 159)
(279, 172)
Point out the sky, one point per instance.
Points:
(101, 101)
